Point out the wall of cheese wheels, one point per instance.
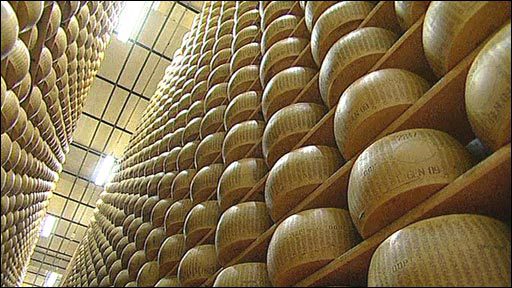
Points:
(50, 53)
(318, 144)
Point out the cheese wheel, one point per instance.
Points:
(191, 131)
(184, 103)
(217, 95)
(16, 65)
(452, 30)
(286, 127)
(122, 278)
(148, 275)
(175, 216)
(169, 256)
(28, 13)
(337, 21)
(205, 182)
(241, 81)
(245, 36)
(181, 184)
(205, 59)
(398, 172)
(471, 244)
(246, 55)
(212, 121)
(313, 10)
(147, 208)
(222, 43)
(488, 91)
(238, 227)
(241, 139)
(136, 261)
(209, 150)
(185, 158)
(278, 30)
(244, 6)
(243, 275)
(219, 75)
(241, 108)
(221, 57)
(198, 264)
(408, 12)
(10, 29)
(196, 110)
(159, 210)
(170, 281)
(350, 58)
(10, 114)
(202, 219)
(371, 103)
(141, 235)
(238, 179)
(181, 119)
(307, 241)
(202, 74)
(153, 243)
(275, 9)
(296, 175)
(284, 87)
(171, 160)
(280, 56)
(251, 17)
(225, 28)
(208, 45)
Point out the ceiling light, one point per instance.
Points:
(129, 19)
(47, 227)
(51, 278)
(104, 169)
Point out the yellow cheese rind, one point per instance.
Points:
(168, 281)
(205, 182)
(202, 219)
(212, 121)
(245, 56)
(398, 172)
(280, 56)
(241, 108)
(181, 184)
(313, 10)
(241, 81)
(198, 264)
(279, 29)
(458, 250)
(209, 149)
(170, 253)
(240, 139)
(243, 275)
(175, 216)
(408, 12)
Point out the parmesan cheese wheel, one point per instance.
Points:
(408, 12)
(216, 96)
(205, 59)
(28, 13)
(153, 243)
(202, 219)
(287, 126)
(171, 160)
(195, 110)
(225, 28)
(122, 278)
(241, 81)
(280, 29)
(313, 10)
(251, 17)
(10, 29)
(238, 227)
(238, 179)
(280, 56)
(141, 235)
(240, 139)
(246, 55)
(198, 264)
(307, 241)
(241, 108)
(476, 247)
(181, 184)
(175, 216)
(275, 9)
(191, 131)
(170, 281)
(245, 36)
(16, 65)
(136, 261)
(148, 206)
(202, 74)
(208, 45)
(222, 43)
(398, 172)
(186, 156)
(199, 91)
(243, 275)
(181, 119)
(296, 175)
(170, 254)
(219, 75)
(284, 87)
(209, 150)
(148, 275)
(221, 57)
(371, 103)
(158, 213)
(212, 121)
(452, 30)
(205, 182)
(337, 21)
(488, 91)
(138, 205)
(350, 58)
(243, 6)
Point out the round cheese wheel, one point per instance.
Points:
(181, 184)
(238, 227)
(170, 254)
(244, 6)
(275, 9)
(170, 281)
(136, 261)
(350, 58)
(371, 103)
(452, 30)
(28, 13)
(181, 119)
(147, 208)
(196, 110)
(200, 221)
(208, 46)
(296, 175)
(471, 244)
(238, 179)
(241, 108)
(148, 275)
(175, 216)
(219, 75)
(212, 121)
(280, 29)
(241, 81)
(202, 74)
(153, 243)
(141, 235)
(122, 278)
(198, 264)
(488, 91)
(243, 275)
(209, 149)
(222, 43)
(251, 17)
(313, 10)
(10, 29)
(287, 126)
(245, 36)
(205, 59)
(408, 12)
(280, 56)
(221, 57)
(240, 139)
(16, 65)
(225, 28)
(185, 158)
(191, 131)
(205, 182)
(217, 95)
(171, 160)
(307, 241)
(398, 172)
(337, 21)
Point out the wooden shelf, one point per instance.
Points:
(383, 16)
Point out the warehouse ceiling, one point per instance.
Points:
(126, 80)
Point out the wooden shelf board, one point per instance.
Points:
(383, 15)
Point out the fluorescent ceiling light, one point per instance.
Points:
(129, 19)
(51, 278)
(104, 169)
(48, 224)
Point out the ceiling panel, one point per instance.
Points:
(97, 97)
